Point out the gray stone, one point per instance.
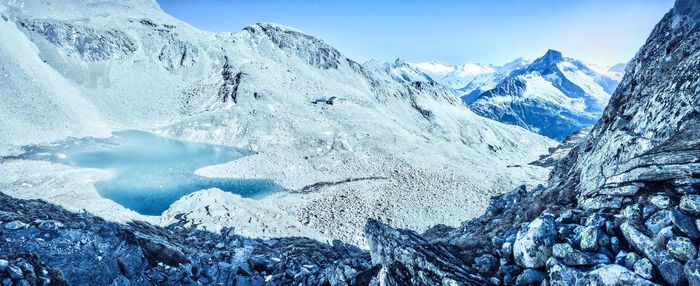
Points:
(49, 225)
(614, 275)
(620, 258)
(630, 259)
(566, 217)
(660, 201)
(682, 248)
(561, 250)
(485, 264)
(609, 274)
(692, 272)
(648, 210)
(15, 225)
(15, 272)
(3, 265)
(589, 239)
(530, 277)
(572, 257)
(686, 224)
(644, 268)
(507, 250)
(658, 221)
(690, 204)
(669, 268)
(533, 245)
(615, 244)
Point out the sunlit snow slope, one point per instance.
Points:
(383, 149)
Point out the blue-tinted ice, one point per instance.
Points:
(151, 172)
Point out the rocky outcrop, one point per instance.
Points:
(89, 44)
(79, 249)
(408, 259)
(622, 207)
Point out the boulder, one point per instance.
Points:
(533, 244)
(15, 272)
(670, 269)
(692, 272)
(15, 225)
(690, 204)
(607, 274)
(530, 277)
(686, 224)
(572, 257)
(589, 239)
(485, 264)
(658, 221)
(682, 248)
(405, 258)
(644, 268)
(660, 201)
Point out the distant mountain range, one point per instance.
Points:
(552, 95)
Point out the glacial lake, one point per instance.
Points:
(150, 172)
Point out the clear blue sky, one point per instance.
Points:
(450, 31)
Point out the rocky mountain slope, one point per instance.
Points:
(554, 96)
(620, 209)
(390, 151)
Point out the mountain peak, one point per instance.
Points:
(399, 61)
(553, 55)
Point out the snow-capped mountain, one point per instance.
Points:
(554, 96)
(398, 71)
(469, 76)
(85, 68)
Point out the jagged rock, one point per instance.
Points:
(669, 268)
(660, 201)
(658, 220)
(49, 225)
(644, 268)
(682, 248)
(608, 274)
(533, 244)
(408, 259)
(589, 238)
(690, 204)
(630, 259)
(485, 264)
(3, 265)
(509, 273)
(15, 272)
(14, 225)
(692, 271)
(572, 257)
(530, 277)
(686, 224)
(507, 250)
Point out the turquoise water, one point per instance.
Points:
(150, 172)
